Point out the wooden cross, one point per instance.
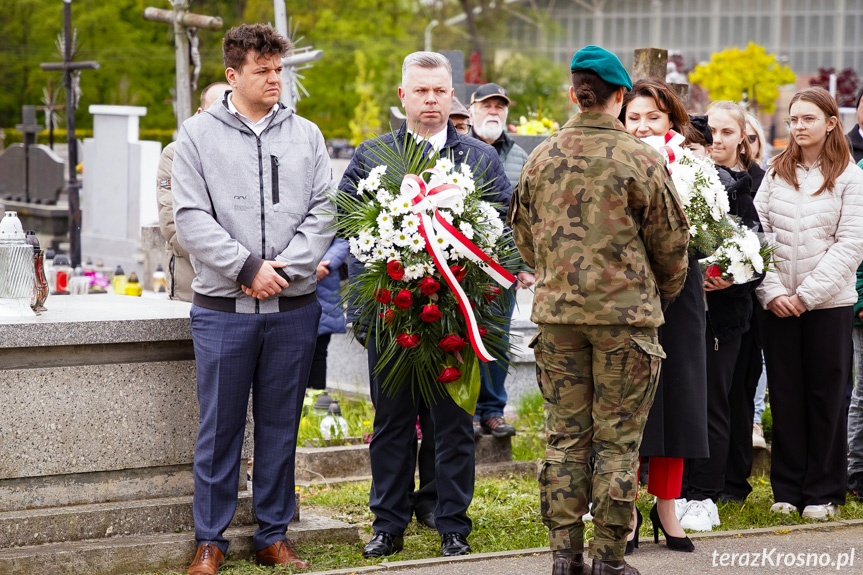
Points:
(185, 24)
(67, 66)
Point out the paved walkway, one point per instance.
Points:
(828, 548)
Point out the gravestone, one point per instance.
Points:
(120, 184)
(29, 172)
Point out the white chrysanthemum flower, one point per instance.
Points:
(444, 164)
(384, 197)
(378, 254)
(416, 243)
(401, 205)
(466, 229)
(441, 242)
(354, 244)
(378, 171)
(385, 221)
(402, 238)
(366, 241)
(411, 222)
(734, 254)
(741, 271)
(391, 254)
(447, 215)
(414, 272)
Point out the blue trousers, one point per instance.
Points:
(393, 457)
(492, 392)
(270, 355)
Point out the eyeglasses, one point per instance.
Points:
(462, 127)
(752, 138)
(805, 121)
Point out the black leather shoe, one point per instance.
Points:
(452, 544)
(427, 520)
(612, 568)
(566, 563)
(383, 544)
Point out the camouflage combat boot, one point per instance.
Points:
(612, 568)
(569, 564)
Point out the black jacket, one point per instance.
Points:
(729, 311)
(461, 148)
(856, 143)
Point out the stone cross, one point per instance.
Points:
(186, 26)
(68, 67)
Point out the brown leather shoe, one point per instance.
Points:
(280, 553)
(600, 567)
(207, 560)
(566, 563)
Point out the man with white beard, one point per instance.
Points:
(489, 105)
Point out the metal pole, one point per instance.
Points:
(428, 36)
(281, 20)
(72, 142)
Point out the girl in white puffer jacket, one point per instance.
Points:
(812, 199)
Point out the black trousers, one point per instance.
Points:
(703, 478)
(424, 499)
(393, 460)
(741, 399)
(807, 360)
(318, 374)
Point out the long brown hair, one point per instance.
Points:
(736, 111)
(835, 154)
(665, 98)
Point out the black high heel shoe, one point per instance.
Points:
(673, 543)
(632, 545)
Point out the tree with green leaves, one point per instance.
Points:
(751, 74)
(366, 122)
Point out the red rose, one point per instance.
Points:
(383, 296)
(428, 286)
(407, 340)
(713, 271)
(449, 374)
(452, 343)
(430, 313)
(388, 317)
(458, 271)
(482, 332)
(491, 292)
(395, 269)
(403, 299)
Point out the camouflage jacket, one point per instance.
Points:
(596, 214)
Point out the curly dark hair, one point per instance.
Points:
(259, 38)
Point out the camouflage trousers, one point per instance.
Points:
(598, 383)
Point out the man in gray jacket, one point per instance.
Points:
(249, 182)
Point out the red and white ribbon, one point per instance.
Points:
(669, 146)
(426, 199)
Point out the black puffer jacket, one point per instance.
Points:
(729, 311)
(461, 148)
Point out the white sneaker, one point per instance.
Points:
(697, 517)
(680, 507)
(714, 512)
(758, 436)
(587, 516)
(820, 511)
(782, 507)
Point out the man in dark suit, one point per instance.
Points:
(426, 93)
(855, 134)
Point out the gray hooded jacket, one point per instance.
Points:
(240, 199)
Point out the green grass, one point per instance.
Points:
(505, 511)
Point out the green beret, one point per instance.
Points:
(604, 63)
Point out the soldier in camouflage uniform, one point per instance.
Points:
(597, 216)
